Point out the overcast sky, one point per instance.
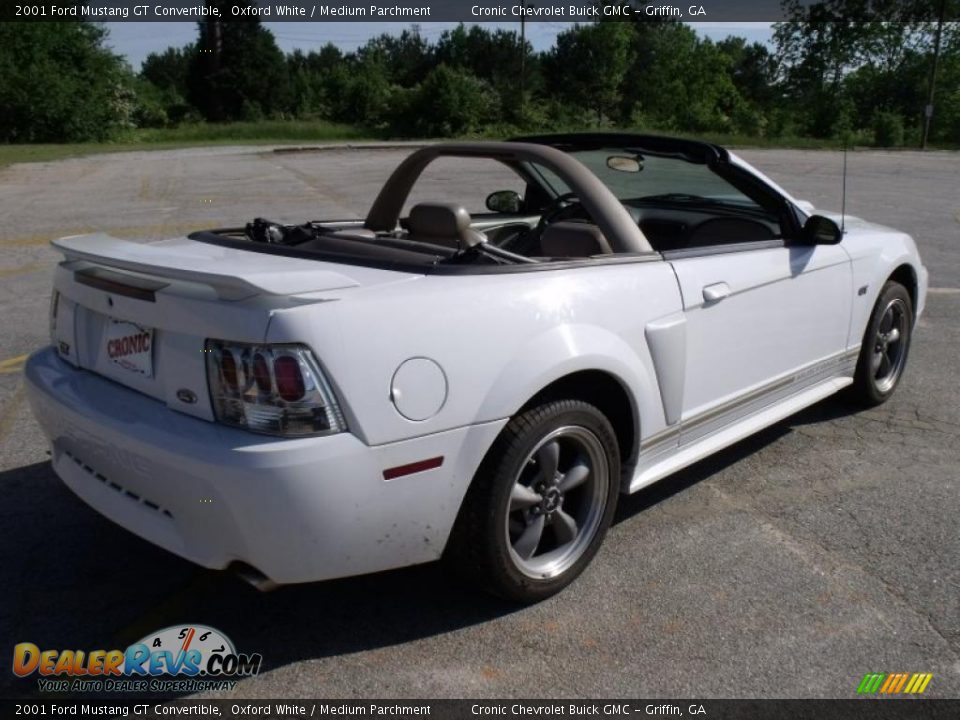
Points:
(137, 40)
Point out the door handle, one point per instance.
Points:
(716, 292)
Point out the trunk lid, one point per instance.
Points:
(140, 313)
(233, 274)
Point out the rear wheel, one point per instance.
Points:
(886, 342)
(541, 502)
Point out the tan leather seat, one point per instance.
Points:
(569, 238)
(445, 224)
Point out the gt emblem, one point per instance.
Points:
(186, 396)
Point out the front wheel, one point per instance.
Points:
(540, 504)
(886, 342)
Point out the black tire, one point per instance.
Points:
(497, 517)
(873, 384)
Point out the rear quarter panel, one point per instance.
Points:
(498, 338)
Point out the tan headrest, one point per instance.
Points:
(444, 224)
(568, 238)
(442, 220)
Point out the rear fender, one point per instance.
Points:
(568, 349)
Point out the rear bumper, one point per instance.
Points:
(297, 510)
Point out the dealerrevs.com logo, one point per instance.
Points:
(182, 658)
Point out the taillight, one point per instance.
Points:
(261, 373)
(289, 378)
(274, 389)
(228, 369)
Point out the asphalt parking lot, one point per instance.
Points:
(789, 565)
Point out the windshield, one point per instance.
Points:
(653, 178)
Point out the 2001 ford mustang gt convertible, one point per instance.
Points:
(310, 401)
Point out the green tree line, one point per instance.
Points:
(864, 80)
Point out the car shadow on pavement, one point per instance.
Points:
(630, 505)
(71, 579)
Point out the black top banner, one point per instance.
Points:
(422, 11)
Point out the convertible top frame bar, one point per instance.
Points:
(608, 212)
(693, 151)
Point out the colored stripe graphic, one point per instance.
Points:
(923, 679)
(894, 683)
(903, 680)
(871, 682)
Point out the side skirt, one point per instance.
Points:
(698, 437)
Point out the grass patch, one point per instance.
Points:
(280, 132)
(10, 154)
(244, 133)
(748, 141)
(729, 140)
(248, 132)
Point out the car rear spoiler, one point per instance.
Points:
(233, 274)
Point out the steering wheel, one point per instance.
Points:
(563, 207)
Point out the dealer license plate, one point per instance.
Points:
(130, 346)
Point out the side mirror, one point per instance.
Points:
(819, 230)
(504, 201)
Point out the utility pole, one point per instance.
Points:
(928, 110)
(523, 53)
(211, 45)
(523, 59)
(212, 37)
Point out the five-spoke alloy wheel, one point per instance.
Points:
(541, 502)
(890, 345)
(886, 342)
(557, 502)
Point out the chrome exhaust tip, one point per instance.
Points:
(254, 577)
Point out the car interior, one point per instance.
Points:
(546, 222)
(678, 201)
(573, 234)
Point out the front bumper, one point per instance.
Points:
(297, 510)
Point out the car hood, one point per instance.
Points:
(851, 222)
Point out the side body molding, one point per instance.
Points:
(667, 340)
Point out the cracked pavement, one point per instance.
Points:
(788, 565)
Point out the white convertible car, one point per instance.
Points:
(313, 401)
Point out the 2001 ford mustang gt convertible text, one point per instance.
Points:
(341, 397)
